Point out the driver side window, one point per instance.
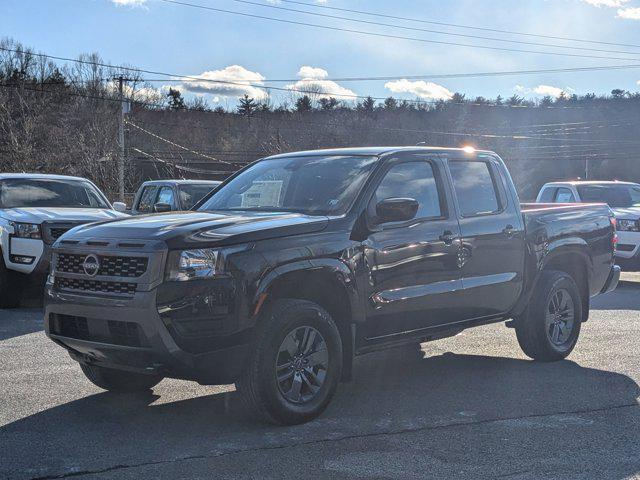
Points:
(412, 180)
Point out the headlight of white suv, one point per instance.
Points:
(184, 265)
(625, 225)
(26, 230)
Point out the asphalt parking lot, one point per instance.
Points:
(468, 407)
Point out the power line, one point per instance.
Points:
(469, 27)
(174, 165)
(387, 35)
(426, 30)
(428, 76)
(287, 89)
(194, 152)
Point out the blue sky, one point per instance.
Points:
(177, 39)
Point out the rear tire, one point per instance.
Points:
(295, 363)
(549, 328)
(9, 293)
(119, 380)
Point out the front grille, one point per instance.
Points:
(84, 285)
(52, 231)
(56, 233)
(97, 330)
(113, 266)
(623, 247)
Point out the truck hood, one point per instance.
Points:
(202, 229)
(627, 213)
(47, 214)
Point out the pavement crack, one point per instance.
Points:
(318, 441)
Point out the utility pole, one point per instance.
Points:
(123, 110)
(586, 168)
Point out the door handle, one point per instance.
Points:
(447, 237)
(509, 231)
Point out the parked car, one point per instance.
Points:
(35, 210)
(622, 197)
(302, 261)
(170, 195)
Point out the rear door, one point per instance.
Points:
(413, 278)
(492, 231)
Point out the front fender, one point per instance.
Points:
(318, 271)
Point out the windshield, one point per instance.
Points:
(192, 194)
(310, 185)
(616, 196)
(25, 192)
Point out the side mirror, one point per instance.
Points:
(396, 210)
(161, 207)
(119, 206)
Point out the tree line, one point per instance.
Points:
(63, 118)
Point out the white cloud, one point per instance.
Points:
(542, 90)
(312, 72)
(629, 13)
(606, 3)
(420, 89)
(312, 83)
(129, 3)
(240, 82)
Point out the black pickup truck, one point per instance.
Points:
(300, 262)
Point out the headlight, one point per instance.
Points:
(193, 264)
(26, 230)
(624, 225)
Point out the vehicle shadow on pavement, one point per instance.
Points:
(14, 323)
(393, 391)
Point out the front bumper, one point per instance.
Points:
(129, 334)
(27, 247)
(612, 280)
(628, 244)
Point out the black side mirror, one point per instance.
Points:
(396, 210)
(161, 207)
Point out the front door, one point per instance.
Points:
(413, 277)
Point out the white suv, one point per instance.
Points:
(622, 197)
(34, 211)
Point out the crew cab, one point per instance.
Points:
(622, 197)
(34, 211)
(158, 196)
(302, 261)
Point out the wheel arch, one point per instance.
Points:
(328, 283)
(575, 261)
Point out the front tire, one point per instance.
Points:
(295, 363)
(549, 328)
(119, 381)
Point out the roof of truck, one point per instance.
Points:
(372, 151)
(182, 182)
(39, 176)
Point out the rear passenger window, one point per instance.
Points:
(147, 199)
(412, 180)
(548, 195)
(564, 195)
(474, 187)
